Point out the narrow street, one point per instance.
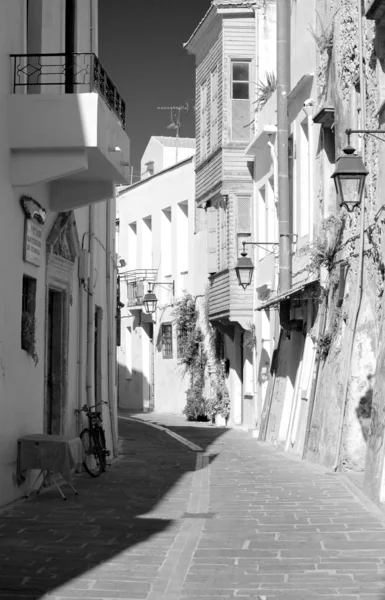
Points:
(238, 520)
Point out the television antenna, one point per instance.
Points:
(175, 112)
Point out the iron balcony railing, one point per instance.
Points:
(67, 73)
(137, 284)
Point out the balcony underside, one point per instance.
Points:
(67, 139)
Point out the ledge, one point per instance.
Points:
(376, 10)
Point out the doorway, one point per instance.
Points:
(55, 364)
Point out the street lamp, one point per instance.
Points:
(150, 300)
(349, 178)
(244, 269)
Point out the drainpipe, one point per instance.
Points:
(256, 21)
(283, 87)
(360, 278)
(80, 400)
(257, 403)
(91, 26)
(275, 179)
(111, 320)
(70, 20)
(90, 377)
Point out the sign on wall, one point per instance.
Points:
(33, 236)
(33, 230)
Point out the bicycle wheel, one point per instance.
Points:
(101, 440)
(93, 454)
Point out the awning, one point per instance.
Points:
(297, 291)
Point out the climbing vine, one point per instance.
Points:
(192, 355)
(218, 402)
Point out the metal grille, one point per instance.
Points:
(76, 72)
(241, 120)
(244, 214)
(167, 340)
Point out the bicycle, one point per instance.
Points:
(94, 442)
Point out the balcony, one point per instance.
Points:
(67, 125)
(136, 286)
(228, 302)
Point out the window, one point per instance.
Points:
(303, 210)
(129, 352)
(244, 221)
(28, 313)
(166, 241)
(132, 253)
(203, 122)
(240, 101)
(240, 80)
(214, 110)
(146, 245)
(182, 236)
(167, 340)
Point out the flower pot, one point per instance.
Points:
(220, 421)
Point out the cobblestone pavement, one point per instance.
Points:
(237, 520)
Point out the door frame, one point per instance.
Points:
(59, 277)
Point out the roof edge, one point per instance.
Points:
(148, 179)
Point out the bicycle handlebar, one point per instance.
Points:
(85, 408)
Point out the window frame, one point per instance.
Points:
(235, 61)
(167, 345)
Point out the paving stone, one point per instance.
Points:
(281, 529)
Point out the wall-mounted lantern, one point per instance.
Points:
(349, 178)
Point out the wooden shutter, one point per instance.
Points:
(214, 110)
(223, 237)
(211, 240)
(203, 128)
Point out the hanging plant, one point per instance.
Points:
(265, 90)
(324, 39)
(28, 335)
(323, 250)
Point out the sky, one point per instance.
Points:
(141, 47)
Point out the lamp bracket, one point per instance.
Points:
(349, 132)
(275, 245)
(169, 284)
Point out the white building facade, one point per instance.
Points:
(156, 242)
(63, 149)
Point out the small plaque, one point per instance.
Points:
(33, 236)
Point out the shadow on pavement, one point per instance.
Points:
(45, 542)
